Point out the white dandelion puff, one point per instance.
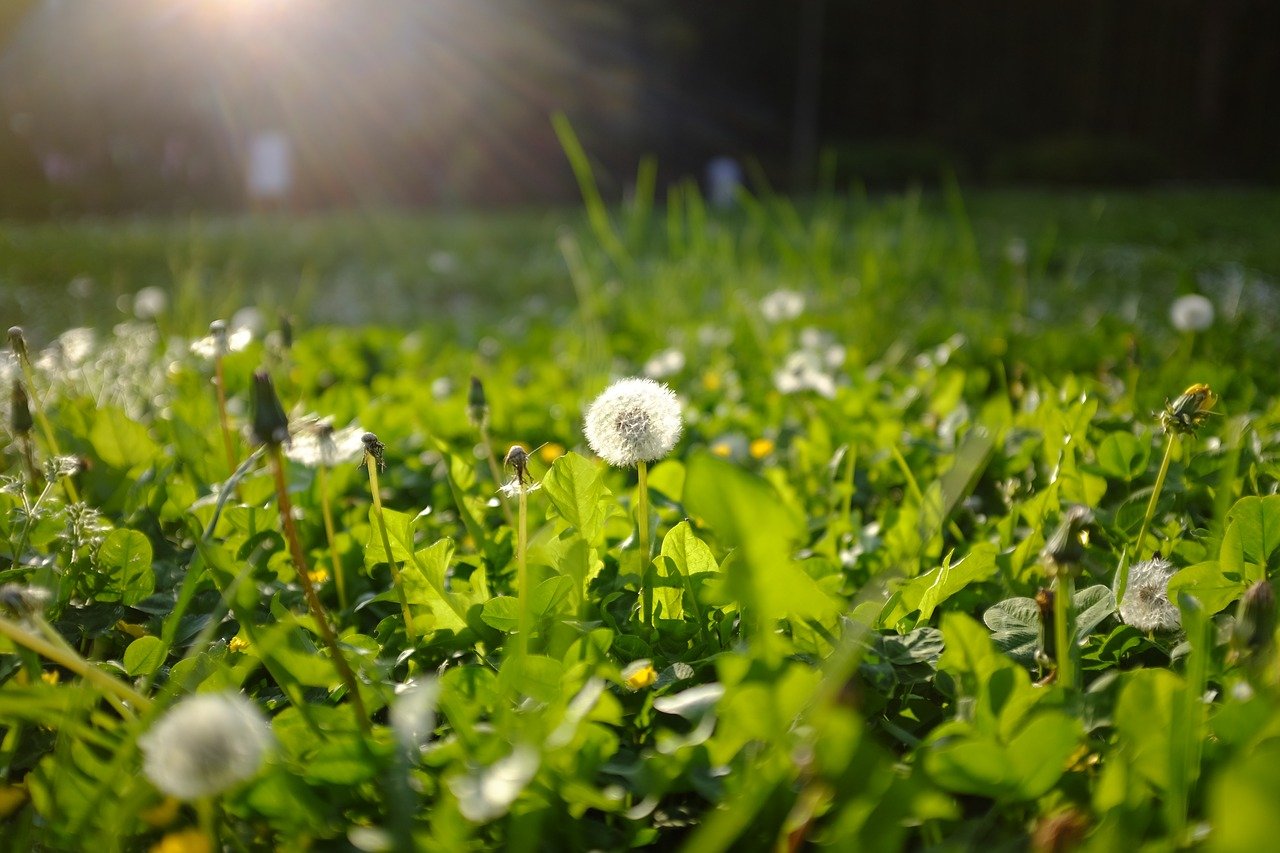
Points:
(316, 443)
(150, 302)
(487, 793)
(782, 305)
(1146, 604)
(513, 487)
(1191, 313)
(413, 713)
(664, 364)
(205, 744)
(632, 421)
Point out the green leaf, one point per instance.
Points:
(683, 555)
(575, 487)
(1024, 768)
(120, 441)
(423, 576)
(1258, 520)
(548, 595)
(1242, 808)
(1091, 606)
(1015, 626)
(144, 656)
(502, 612)
(399, 537)
(535, 676)
(1214, 588)
(124, 559)
(1143, 719)
(945, 581)
(1123, 456)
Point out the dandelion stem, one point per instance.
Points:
(313, 601)
(37, 406)
(1064, 628)
(322, 473)
(525, 626)
(68, 659)
(496, 472)
(371, 463)
(220, 386)
(205, 808)
(642, 522)
(1123, 580)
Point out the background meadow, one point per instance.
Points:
(891, 404)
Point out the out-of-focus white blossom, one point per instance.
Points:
(782, 305)
(1191, 313)
(205, 744)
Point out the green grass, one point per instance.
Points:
(853, 550)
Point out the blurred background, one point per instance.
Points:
(162, 106)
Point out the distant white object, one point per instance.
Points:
(724, 179)
(269, 171)
(1191, 313)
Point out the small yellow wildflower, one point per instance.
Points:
(550, 452)
(11, 799)
(722, 449)
(238, 644)
(319, 576)
(639, 674)
(186, 841)
(162, 813)
(50, 676)
(761, 447)
(712, 381)
(135, 631)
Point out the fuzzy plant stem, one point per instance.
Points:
(524, 602)
(313, 601)
(322, 474)
(1123, 581)
(1063, 624)
(371, 463)
(496, 473)
(642, 523)
(220, 386)
(68, 659)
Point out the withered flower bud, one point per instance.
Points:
(270, 424)
(373, 449)
(1065, 547)
(477, 405)
(20, 420)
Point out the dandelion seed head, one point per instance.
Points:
(413, 712)
(150, 302)
(1146, 604)
(1191, 313)
(487, 793)
(205, 744)
(781, 306)
(664, 364)
(315, 443)
(632, 421)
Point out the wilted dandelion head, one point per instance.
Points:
(1146, 604)
(632, 421)
(21, 601)
(1191, 313)
(204, 745)
(315, 444)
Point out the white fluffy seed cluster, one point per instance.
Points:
(634, 420)
(1191, 313)
(205, 744)
(1146, 604)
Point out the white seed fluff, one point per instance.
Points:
(1191, 313)
(634, 420)
(204, 745)
(1146, 604)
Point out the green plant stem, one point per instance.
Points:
(220, 387)
(1123, 581)
(322, 474)
(642, 524)
(496, 472)
(1186, 740)
(524, 627)
(1063, 628)
(206, 809)
(313, 601)
(371, 464)
(68, 659)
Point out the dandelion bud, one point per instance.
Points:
(477, 405)
(270, 424)
(634, 420)
(1190, 410)
(375, 449)
(204, 745)
(218, 332)
(18, 343)
(1065, 547)
(20, 420)
(1255, 619)
(286, 332)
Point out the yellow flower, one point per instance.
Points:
(11, 799)
(712, 381)
(550, 452)
(162, 813)
(238, 644)
(50, 676)
(319, 576)
(722, 449)
(135, 631)
(761, 447)
(639, 674)
(186, 841)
